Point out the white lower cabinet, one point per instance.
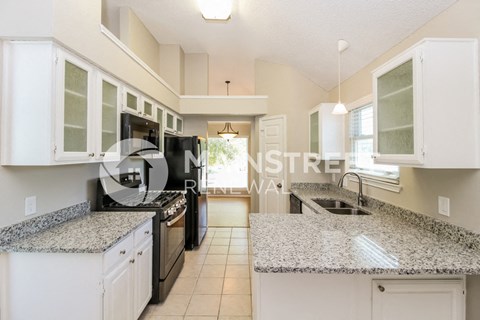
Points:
(307, 296)
(114, 285)
(118, 285)
(417, 299)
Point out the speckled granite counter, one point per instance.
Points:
(384, 242)
(91, 233)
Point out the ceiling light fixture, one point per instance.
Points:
(340, 107)
(227, 133)
(216, 10)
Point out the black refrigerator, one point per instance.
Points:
(187, 170)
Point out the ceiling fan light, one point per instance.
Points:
(216, 9)
(339, 109)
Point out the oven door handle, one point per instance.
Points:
(180, 216)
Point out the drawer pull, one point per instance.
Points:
(147, 232)
(140, 253)
(132, 261)
(123, 251)
(381, 288)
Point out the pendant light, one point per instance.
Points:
(340, 107)
(227, 133)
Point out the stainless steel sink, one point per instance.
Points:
(348, 211)
(331, 203)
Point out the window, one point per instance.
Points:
(361, 138)
(227, 163)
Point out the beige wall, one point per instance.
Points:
(292, 94)
(421, 187)
(196, 74)
(241, 76)
(137, 37)
(172, 66)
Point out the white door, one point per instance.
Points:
(273, 197)
(418, 300)
(143, 277)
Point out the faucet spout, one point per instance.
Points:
(360, 199)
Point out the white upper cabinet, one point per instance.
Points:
(327, 133)
(48, 106)
(159, 118)
(426, 107)
(173, 123)
(131, 102)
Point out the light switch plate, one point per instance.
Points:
(444, 206)
(30, 205)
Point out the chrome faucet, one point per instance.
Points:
(360, 199)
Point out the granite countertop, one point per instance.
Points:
(92, 233)
(381, 243)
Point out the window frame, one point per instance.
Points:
(372, 178)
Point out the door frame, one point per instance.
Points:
(282, 117)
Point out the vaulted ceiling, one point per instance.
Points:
(300, 33)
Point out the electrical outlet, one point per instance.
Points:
(30, 205)
(444, 206)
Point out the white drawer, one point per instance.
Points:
(116, 254)
(143, 232)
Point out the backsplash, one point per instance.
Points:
(43, 222)
(455, 233)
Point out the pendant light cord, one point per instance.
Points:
(339, 55)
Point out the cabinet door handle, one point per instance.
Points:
(132, 260)
(140, 253)
(140, 112)
(91, 155)
(102, 154)
(381, 288)
(147, 232)
(123, 251)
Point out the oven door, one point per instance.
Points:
(172, 241)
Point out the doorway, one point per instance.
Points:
(228, 176)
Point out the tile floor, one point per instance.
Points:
(235, 216)
(214, 283)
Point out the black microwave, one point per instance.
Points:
(139, 136)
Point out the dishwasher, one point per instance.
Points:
(295, 204)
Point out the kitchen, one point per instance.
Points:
(77, 26)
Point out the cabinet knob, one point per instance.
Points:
(123, 251)
(279, 185)
(140, 253)
(102, 154)
(132, 260)
(91, 155)
(147, 232)
(140, 112)
(381, 288)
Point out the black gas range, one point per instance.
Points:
(168, 229)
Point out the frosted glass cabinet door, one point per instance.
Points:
(131, 102)
(108, 118)
(395, 110)
(179, 125)
(169, 122)
(74, 78)
(159, 118)
(398, 110)
(314, 132)
(147, 109)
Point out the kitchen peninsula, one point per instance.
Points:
(392, 263)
